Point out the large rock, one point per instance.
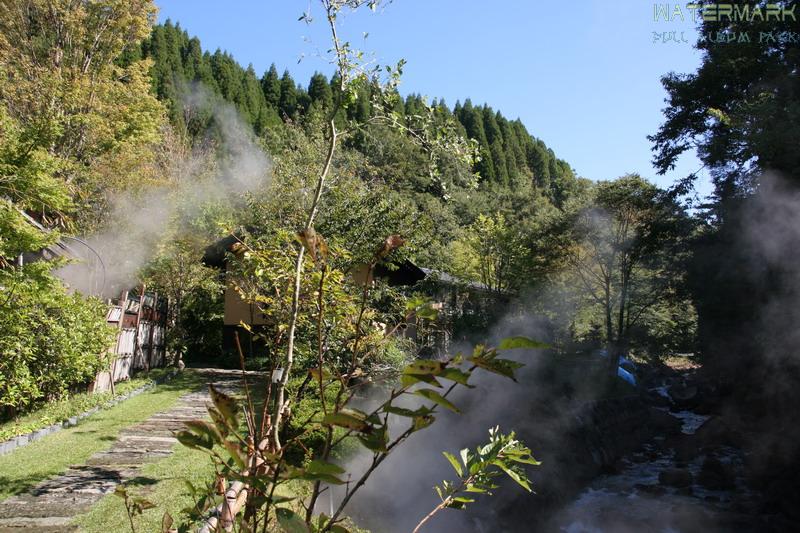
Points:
(716, 475)
(685, 397)
(675, 477)
(717, 431)
(657, 400)
(686, 447)
(663, 422)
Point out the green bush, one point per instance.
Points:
(58, 411)
(51, 341)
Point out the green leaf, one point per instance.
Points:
(407, 380)
(421, 422)
(196, 442)
(315, 373)
(453, 461)
(423, 367)
(345, 420)
(235, 452)
(427, 312)
(503, 367)
(375, 440)
(219, 421)
(290, 522)
(511, 343)
(434, 396)
(327, 478)
(422, 308)
(203, 428)
(527, 459)
(226, 405)
(415, 302)
(454, 374)
(520, 479)
(321, 467)
(402, 411)
(143, 504)
(281, 499)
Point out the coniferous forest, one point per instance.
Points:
(235, 300)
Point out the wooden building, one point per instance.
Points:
(238, 311)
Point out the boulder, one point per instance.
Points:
(716, 475)
(663, 422)
(657, 400)
(652, 490)
(716, 431)
(686, 447)
(7, 446)
(684, 396)
(675, 477)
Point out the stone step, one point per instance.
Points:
(126, 460)
(52, 505)
(146, 440)
(51, 524)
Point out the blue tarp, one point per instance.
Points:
(625, 369)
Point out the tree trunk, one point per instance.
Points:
(622, 333)
(611, 348)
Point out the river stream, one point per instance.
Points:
(652, 492)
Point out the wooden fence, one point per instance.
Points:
(141, 324)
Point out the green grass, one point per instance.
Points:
(162, 483)
(52, 455)
(56, 412)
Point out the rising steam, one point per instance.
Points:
(220, 170)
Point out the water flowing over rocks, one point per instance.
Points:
(693, 480)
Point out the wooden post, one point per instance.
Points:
(152, 329)
(136, 346)
(122, 304)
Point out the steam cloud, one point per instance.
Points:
(400, 492)
(235, 164)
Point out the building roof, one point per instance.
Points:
(215, 255)
(403, 273)
(449, 279)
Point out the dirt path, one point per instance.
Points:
(51, 505)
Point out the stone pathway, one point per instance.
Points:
(52, 505)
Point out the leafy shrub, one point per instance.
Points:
(58, 411)
(50, 341)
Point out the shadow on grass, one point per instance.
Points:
(141, 481)
(14, 486)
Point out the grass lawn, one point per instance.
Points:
(161, 483)
(164, 484)
(52, 455)
(58, 411)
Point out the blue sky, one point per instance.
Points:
(585, 79)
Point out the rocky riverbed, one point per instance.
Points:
(693, 480)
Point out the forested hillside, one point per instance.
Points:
(509, 155)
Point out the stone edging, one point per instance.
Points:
(22, 440)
